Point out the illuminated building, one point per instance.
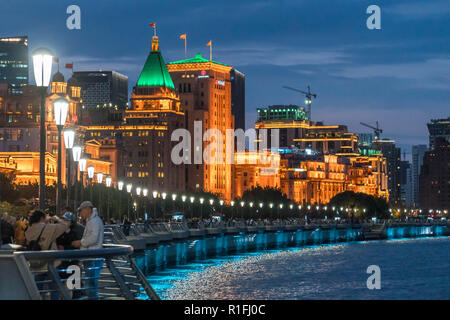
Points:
(25, 167)
(434, 181)
(392, 154)
(368, 174)
(102, 158)
(237, 79)
(205, 92)
(14, 62)
(295, 130)
(100, 88)
(418, 152)
(20, 121)
(313, 180)
(252, 169)
(439, 128)
(143, 140)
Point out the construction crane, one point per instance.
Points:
(377, 130)
(308, 96)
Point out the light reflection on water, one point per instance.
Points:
(410, 269)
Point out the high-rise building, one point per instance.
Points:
(237, 79)
(14, 62)
(438, 128)
(406, 192)
(392, 154)
(296, 131)
(366, 139)
(205, 92)
(418, 151)
(144, 137)
(103, 88)
(434, 186)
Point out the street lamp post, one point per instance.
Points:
(138, 194)
(69, 138)
(99, 182)
(76, 152)
(42, 65)
(155, 194)
(90, 171)
(60, 107)
(108, 182)
(129, 188)
(82, 167)
(145, 194)
(120, 187)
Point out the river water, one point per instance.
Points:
(410, 269)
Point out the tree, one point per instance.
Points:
(7, 189)
(367, 206)
(268, 196)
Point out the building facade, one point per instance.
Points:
(103, 88)
(204, 87)
(439, 128)
(296, 131)
(20, 126)
(237, 79)
(392, 154)
(143, 139)
(434, 180)
(14, 63)
(418, 152)
(253, 169)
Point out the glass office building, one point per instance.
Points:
(14, 62)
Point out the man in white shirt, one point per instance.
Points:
(92, 239)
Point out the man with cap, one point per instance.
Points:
(92, 239)
(93, 233)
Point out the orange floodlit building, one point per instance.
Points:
(19, 128)
(252, 169)
(368, 174)
(143, 143)
(205, 94)
(25, 167)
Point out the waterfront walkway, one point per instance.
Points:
(144, 235)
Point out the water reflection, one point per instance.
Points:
(168, 264)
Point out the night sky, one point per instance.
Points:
(399, 75)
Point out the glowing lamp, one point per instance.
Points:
(108, 181)
(120, 185)
(76, 152)
(91, 171)
(82, 165)
(60, 108)
(99, 177)
(69, 138)
(42, 66)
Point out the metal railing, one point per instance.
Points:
(105, 274)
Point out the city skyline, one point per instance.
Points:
(376, 73)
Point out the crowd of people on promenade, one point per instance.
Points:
(67, 231)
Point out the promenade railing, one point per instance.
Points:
(105, 274)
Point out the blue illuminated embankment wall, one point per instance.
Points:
(183, 252)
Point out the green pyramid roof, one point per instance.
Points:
(198, 59)
(155, 73)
